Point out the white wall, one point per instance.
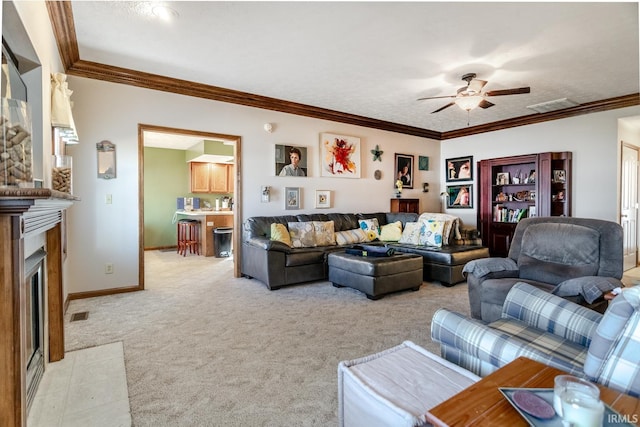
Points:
(101, 233)
(593, 140)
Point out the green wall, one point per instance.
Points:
(166, 177)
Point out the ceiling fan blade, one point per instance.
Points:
(476, 85)
(436, 97)
(485, 104)
(515, 91)
(442, 108)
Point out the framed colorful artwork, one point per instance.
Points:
(340, 156)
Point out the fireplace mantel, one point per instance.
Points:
(26, 212)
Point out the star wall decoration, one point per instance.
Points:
(377, 153)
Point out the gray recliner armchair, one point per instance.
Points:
(579, 259)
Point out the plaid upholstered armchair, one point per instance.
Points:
(552, 330)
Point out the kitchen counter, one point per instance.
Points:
(209, 220)
(200, 212)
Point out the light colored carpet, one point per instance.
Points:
(205, 349)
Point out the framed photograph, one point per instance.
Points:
(459, 169)
(460, 196)
(423, 163)
(292, 198)
(404, 170)
(291, 160)
(340, 156)
(559, 175)
(502, 178)
(323, 199)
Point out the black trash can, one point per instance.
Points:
(222, 241)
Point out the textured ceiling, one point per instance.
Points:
(374, 59)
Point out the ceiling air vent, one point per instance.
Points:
(557, 104)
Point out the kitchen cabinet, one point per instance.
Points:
(513, 188)
(211, 177)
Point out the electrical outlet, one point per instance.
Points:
(108, 268)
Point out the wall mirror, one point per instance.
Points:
(106, 159)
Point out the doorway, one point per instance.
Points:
(237, 208)
(629, 205)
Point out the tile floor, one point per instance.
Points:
(86, 388)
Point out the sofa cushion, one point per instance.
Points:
(303, 234)
(280, 233)
(555, 252)
(324, 233)
(343, 221)
(431, 232)
(371, 227)
(349, 237)
(391, 232)
(411, 234)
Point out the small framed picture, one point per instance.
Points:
(460, 196)
(559, 175)
(459, 169)
(323, 199)
(404, 170)
(502, 178)
(423, 163)
(292, 198)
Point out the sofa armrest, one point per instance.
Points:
(475, 338)
(551, 313)
(484, 266)
(267, 244)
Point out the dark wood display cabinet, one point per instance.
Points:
(405, 205)
(513, 188)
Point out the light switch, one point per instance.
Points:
(209, 223)
(108, 199)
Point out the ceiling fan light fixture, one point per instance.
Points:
(468, 102)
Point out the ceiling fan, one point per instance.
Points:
(470, 96)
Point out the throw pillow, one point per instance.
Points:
(325, 235)
(302, 234)
(280, 233)
(451, 229)
(410, 234)
(371, 227)
(391, 232)
(350, 237)
(431, 233)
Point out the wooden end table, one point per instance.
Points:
(482, 404)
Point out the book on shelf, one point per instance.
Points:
(503, 214)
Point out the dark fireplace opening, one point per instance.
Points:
(34, 350)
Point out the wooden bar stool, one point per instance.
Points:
(188, 236)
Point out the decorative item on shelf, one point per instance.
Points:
(61, 174)
(16, 156)
(399, 185)
(502, 178)
(531, 179)
(377, 153)
(559, 176)
(501, 197)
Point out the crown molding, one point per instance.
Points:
(61, 16)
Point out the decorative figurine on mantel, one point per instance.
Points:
(399, 188)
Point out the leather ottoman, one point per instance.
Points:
(375, 276)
